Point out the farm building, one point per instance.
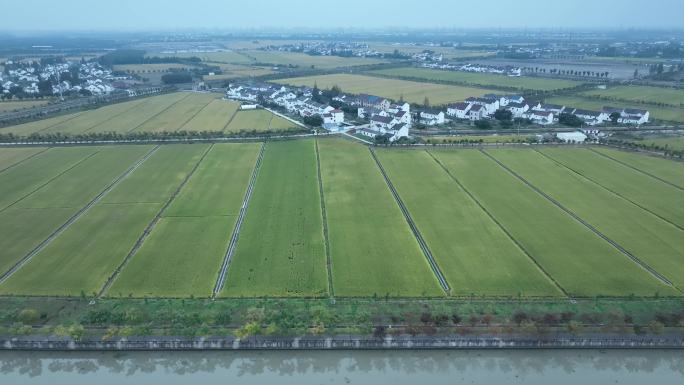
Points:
(572, 137)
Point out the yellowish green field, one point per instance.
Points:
(258, 121)
(307, 61)
(213, 117)
(151, 68)
(413, 92)
(449, 53)
(477, 79)
(174, 118)
(642, 94)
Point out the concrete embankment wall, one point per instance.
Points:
(341, 343)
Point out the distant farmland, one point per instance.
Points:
(157, 221)
(642, 94)
(180, 111)
(672, 114)
(478, 79)
(411, 91)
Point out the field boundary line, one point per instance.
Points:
(76, 216)
(501, 226)
(593, 229)
(50, 180)
(414, 228)
(549, 157)
(135, 105)
(232, 244)
(150, 226)
(324, 215)
(159, 113)
(232, 117)
(180, 128)
(24, 160)
(636, 169)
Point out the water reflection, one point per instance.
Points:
(343, 366)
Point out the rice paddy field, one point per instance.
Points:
(411, 91)
(641, 94)
(317, 218)
(180, 111)
(478, 79)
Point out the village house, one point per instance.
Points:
(370, 101)
(333, 117)
(476, 112)
(553, 108)
(432, 118)
(518, 109)
(540, 117)
(490, 105)
(459, 110)
(591, 118)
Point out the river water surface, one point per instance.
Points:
(557, 367)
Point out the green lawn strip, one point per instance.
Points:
(19, 181)
(281, 251)
(655, 196)
(476, 256)
(83, 182)
(219, 184)
(372, 248)
(84, 256)
(657, 243)
(666, 169)
(12, 157)
(581, 262)
(181, 258)
(183, 254)
(470, 78)
(174, 118)
(641, 94)
(157, 179)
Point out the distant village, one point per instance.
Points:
(383, 117)
(33, 78)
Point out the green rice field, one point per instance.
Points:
(180, 111)
(412, 91)
(149, 221)
(478, 79)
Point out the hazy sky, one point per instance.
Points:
(27, 15)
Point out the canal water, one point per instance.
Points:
(557, 367)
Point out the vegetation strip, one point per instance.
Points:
(423, 245)
(508, 234)
(76, 115)
(50, 180)
(220, 281)
(24, 160)
(561, 164)
(324, 216)
(150, 226)
(75, 217)
(159, 113)
(636, 169)
(639, 262)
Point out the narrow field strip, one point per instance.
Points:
(324, 221)
(193, 161)
(38, 125)
(21, 182)
(577, 259)
(13, 157)
(586, 224)
(215, 116)
(235, 235)
(183, 253)
(373, 250)
(606, 155)
(659, 199)
(647, 165)
(142, 112)
(92, 118)
(476, 257)
(157, 114)
(78, 214)
(414, 229)
(109, 117)
(281, 250)
(652, 243)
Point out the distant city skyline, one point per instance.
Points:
(137, 15)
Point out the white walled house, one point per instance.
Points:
(490, 105)
(459, 110)
(572, 137)
(476, 112)
(553, 108)
(333, 117)
(518, 109)
(432, 118)
(540, 117)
